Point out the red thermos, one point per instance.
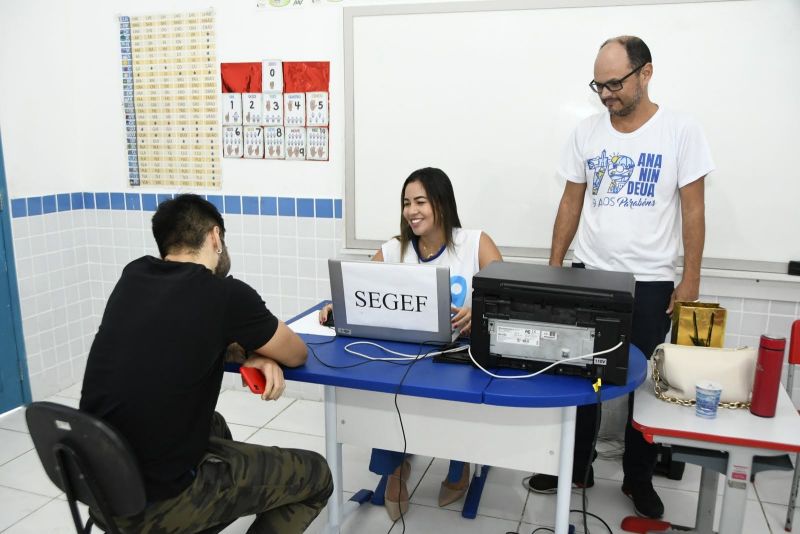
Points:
(767, 376)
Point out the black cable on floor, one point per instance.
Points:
(596, 517)
(420, 356)
(585, 482)
(435, 345)
(548, 529)
(591, 458)
(409, 365)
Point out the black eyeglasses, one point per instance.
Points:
(613, 85)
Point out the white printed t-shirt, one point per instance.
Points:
(462, 260)
(630, 220)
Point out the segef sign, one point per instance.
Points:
(391, 297)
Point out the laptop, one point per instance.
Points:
(391, 301)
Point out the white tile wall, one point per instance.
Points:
(54, 286)
(748, 319)
(68, 263)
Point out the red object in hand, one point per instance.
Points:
(767, 378)
(794, 345)
(254, 379)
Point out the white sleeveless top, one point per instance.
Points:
(462, 260)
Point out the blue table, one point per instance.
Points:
(442, 404)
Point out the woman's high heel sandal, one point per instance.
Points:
(396, 508)
(450, 492)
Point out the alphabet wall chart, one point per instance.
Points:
(275, 110)
(170, 101)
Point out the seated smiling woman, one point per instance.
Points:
(431, 233)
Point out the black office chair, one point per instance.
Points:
(88, 460)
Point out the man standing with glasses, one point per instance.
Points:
(646, 166)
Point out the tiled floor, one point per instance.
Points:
(30, 503)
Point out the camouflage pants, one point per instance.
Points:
(285, 488)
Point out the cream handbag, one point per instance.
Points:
(677, 368)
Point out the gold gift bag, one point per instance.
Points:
(701, 324)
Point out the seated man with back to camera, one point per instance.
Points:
(154, 373)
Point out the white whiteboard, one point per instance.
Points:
(489, 92)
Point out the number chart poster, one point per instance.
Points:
(170, 86)
(275, 110)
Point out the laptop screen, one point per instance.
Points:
(399, 302)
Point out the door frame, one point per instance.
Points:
(16, 316)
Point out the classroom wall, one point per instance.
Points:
(75, 223)
(69, 260)
(36, 103)
(478, 94)
(61, 109)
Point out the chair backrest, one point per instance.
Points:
(96, 458)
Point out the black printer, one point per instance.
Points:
(529, 316)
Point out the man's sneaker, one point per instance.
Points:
(646, 501)
(539, 483)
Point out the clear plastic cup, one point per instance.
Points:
(707, 394)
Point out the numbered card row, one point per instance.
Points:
(275, 109)
(275, 142)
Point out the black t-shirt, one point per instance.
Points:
(155, 367)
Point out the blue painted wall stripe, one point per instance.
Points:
(62, 202)
(117, 201)
(49, 204)
(149, 202)
(305, 207)
(250, 205)
(286, 206)
(102, 201)
(19, 207)
(321, 208)
(77, 201)
(233, 204)
(133, 202)
(269, 206)
(217, 201)
(34, 205)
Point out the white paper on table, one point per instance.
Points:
(309, 324)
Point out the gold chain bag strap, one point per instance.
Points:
(677, 368)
